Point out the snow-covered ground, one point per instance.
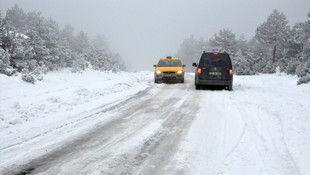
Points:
(58, 103)
(261, 127)
(63, 94)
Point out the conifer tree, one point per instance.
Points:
(16, 18)
(1, 30)
(224, 41)
(274, 34)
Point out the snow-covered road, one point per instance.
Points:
(262, 127)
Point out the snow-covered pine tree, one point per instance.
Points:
(101, 58)
(44, 35)
(242, 44)
(5, 44)
(52, 42)
(305, 27)
(81, 42)
(34, 45)
(293, 53)
(1, 30)
(191, 49)
(120, 65)
(17, 18)
(273, 34)
(66, 43)
(244, 60)
(98, 59)
(116, 63)
(303, 70)
(243, 63)
(67, 33)
(5, 67)
(224, 41)
(100, 43)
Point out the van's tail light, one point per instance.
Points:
(199, 71)
(230, 72)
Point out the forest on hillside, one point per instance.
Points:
(276, 45)
(33, 45)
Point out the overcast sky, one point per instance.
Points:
(142, 31)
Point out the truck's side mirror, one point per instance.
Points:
(184, 65)
(154, 65)
(194, 64)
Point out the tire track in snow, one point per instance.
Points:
(266, 129)
(82, 157)
(150, 154)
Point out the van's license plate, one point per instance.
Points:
(215, 73)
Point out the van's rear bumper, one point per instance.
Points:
(214, 82)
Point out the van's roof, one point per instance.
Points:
(215, 53)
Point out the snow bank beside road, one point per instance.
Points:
(27, 110)
(261, 127)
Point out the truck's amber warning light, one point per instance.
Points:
(216, 53)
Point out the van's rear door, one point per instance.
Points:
(215, 66)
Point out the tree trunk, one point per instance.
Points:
(274, 54)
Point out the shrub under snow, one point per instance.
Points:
(305, 79)
(29, 78)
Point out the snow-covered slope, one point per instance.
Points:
(62, 98)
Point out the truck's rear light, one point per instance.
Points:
(199, 71)
(215, 53)
(230, 72)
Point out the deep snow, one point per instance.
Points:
(262, 127)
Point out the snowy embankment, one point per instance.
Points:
(262, 127)
(29, 111)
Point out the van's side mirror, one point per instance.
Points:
(184, 65)
(154, 65)
(194, 64)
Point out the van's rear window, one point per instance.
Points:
(215, 60)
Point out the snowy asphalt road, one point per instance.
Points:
(144, 133)
(175, 129)
(140, 138)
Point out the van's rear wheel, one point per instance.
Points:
(197, 86)
(230, 87)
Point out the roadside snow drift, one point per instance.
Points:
(262, 127)
(63, 98)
